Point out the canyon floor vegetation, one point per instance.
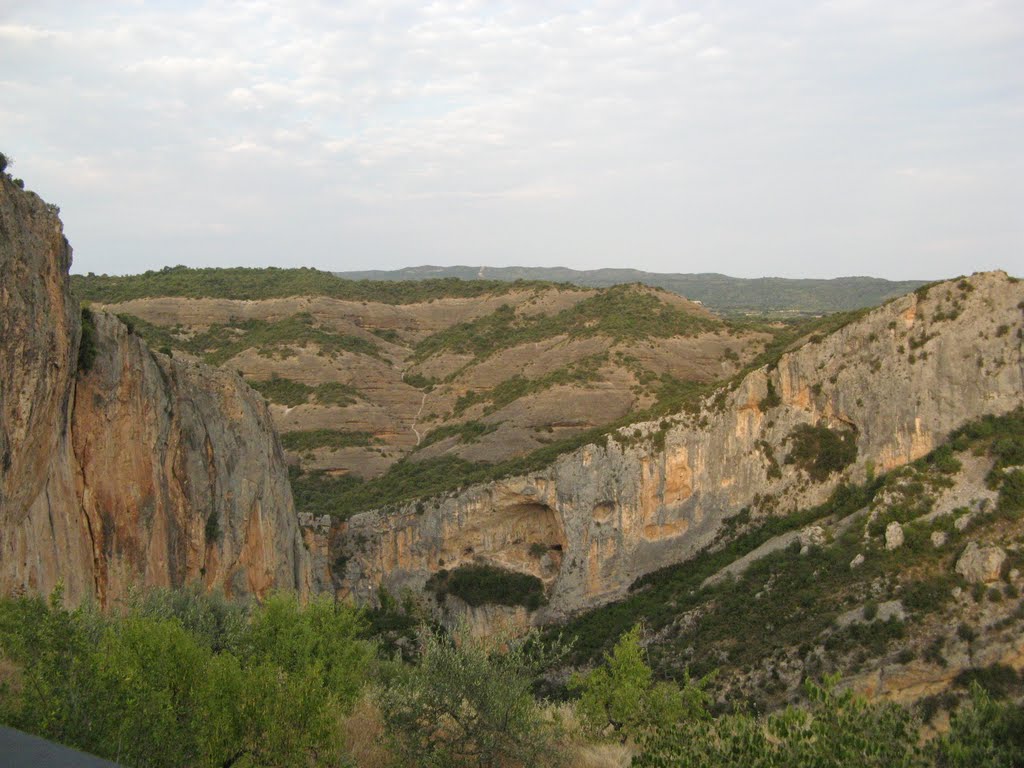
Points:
(184, 678)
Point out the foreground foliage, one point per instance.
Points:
(469, 703)
(182, 678)
(185, 680)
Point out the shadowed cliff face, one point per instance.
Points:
(141, 471)
(894, 384)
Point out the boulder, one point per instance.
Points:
(980, 565)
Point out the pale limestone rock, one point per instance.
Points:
(857, 562)
(890, 609)
(980, 565)
(939, 539)
(617, 512)
(812, 536)
(962, 522)
(893, 536)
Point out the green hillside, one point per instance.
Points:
(721, 293)
(274, 283)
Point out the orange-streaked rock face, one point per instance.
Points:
(658, 494)
(142, 471)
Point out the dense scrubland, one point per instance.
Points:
(184, 678)
(274, 282)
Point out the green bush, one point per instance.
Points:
(467, 432)
(835, 730)
(469, 702)
(771, 399)
(983, 734)
(281, 390)
(821, 451)
(335, 439)
(87, 342)
(213, 532)
(479, 584)
(182, 680)
(621, 696)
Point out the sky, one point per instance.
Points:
(752, 137)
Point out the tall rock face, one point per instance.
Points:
(872, 396)
(39, 330)
(181, 477)
(141, 470)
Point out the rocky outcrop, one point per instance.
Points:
(980, 565)
(893, 384)
(142, 470)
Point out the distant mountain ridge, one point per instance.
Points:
(719, 292)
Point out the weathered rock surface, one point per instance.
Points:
(142, 471)
(893, 536)
(899, 380)
(980, 565)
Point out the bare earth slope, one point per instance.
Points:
(356, 386)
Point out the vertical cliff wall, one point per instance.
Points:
(141, 470)
(893, 383)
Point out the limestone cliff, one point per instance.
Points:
(893, 383)
(142, 470)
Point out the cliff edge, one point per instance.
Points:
(119, 466)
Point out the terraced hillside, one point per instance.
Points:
(385, 390)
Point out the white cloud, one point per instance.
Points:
(750, 139)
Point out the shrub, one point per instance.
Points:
(213, 532)
(771, 399)
(834, 730)
(4, 162)
(820, 451)
(622, 696)
(334, 439)
(966, 632)
(983, 734)
(870, 610)
(469, 703)
(479, 584)
(182, 679)
(87, 342)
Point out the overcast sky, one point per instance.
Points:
(881, 137)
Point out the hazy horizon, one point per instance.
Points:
(822, 139)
